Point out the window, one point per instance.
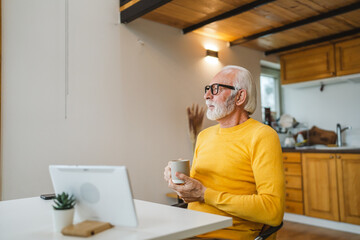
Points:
(270, 91)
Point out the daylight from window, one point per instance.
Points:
(268, 91)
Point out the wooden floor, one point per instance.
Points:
(297, 231)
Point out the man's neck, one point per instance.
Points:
(233, 119)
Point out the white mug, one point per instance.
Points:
(182, 166)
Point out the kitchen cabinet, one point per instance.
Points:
(331, 186)
(293, 183)
(347, 57)
(325, 61)
(308, 64)
(320, 186)
(348, 170)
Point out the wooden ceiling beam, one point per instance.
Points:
(123, 2)
(131, 10)
(314, 41)
(228, 14)
(312, 19)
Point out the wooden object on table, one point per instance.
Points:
(86, 228)
(321, 136)
(293, 183)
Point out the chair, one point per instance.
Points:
(265, 232)
(180, 204)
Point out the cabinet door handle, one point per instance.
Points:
(285, 158)
(286, 169)
(338, 156)
(331, 157)
(286, 182)
(287, 194)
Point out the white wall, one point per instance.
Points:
(127, 101)
(337, 103)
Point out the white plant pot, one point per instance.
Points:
(62, 218)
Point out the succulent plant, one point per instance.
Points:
(64, 201)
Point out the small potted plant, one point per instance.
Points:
(63, 213)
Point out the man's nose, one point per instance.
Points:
(208, 95)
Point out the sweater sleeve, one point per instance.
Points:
(267, 205)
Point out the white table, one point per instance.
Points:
(31, 218)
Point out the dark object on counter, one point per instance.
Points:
(268, 118)
(321, 136)
(47, 196)
(287, 148)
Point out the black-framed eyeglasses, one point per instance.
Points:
(215, 88)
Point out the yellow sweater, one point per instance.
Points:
(243, 171)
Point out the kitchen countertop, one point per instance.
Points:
(321, 150)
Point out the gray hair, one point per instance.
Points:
(243, 80)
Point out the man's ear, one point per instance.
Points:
(241, 97)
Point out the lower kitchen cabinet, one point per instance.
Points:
(294, 207)
(331, 186)
(294, 194)
(348, 169)
(320, 186)
(293, 183)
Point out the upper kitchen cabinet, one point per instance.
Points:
(308, 64)
(348, 57)
(326, 61)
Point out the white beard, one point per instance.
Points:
(220, 110)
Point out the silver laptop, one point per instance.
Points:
(102, 193)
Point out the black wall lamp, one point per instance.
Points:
(211, 53)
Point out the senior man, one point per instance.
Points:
(237, 169)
